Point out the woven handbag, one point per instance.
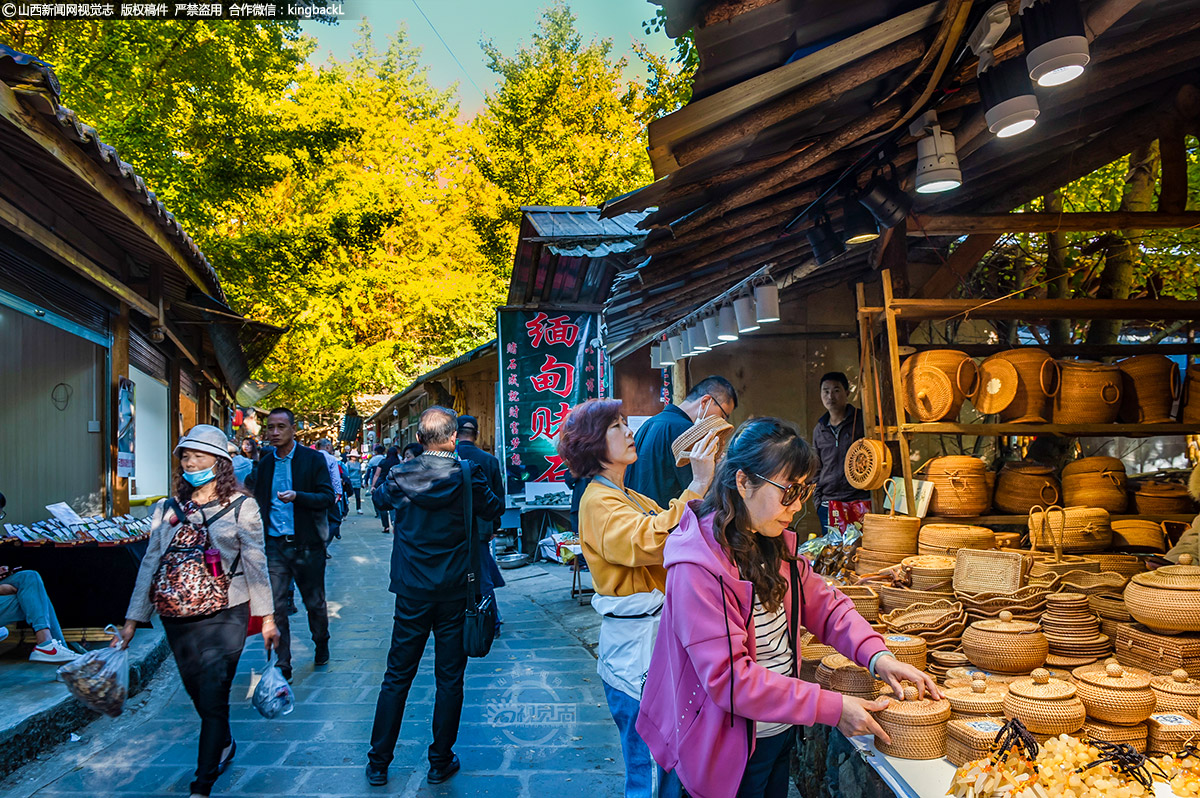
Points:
(1072, 529)
(978, 571)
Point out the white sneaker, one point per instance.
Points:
(3, 633)
(359, 512)
(52, 651)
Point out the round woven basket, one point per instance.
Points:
(814, 651)
(1037, 382)
(917, 727)
(1155, 497)
(947, 539)
(866, 600)
(1020, 486)
(960, 486)
(1074, 530)
(1088, 393)
(868, 464)
(935, 383)
(929, 571)
(1103, 489)
(908, 648)
(1116, 695)
(869, 561)
(1189, 403)
(682, 446)
(997, 386)
(1149, 386)
(1135, 736)
(1176, 693)
(1136, 534)
(1167, 600)
(1045, 705)
(894, 534)
(844, 676)
(1005, 645)
(980, 700)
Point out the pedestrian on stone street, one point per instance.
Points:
(381, 471)
(294, 494)
(723, 696)
(250, 449)
(655, 474)
(489, 572)
(838, 502)
(622, 533)
(208, 509)
(429, 578)
(242, 465)
(325, 447)
(370, 467)
(355, 471)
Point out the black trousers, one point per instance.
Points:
(766, 774)
(207, 650)
(306, 565)
(414, 620)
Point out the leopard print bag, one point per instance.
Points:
(184, 587)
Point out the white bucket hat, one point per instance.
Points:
(204, 438)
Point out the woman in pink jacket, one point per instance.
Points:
(722, 698)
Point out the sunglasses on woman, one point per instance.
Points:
(801, 491)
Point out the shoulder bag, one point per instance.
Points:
(479, 627)
(190, 581)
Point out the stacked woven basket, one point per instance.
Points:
(940, 624)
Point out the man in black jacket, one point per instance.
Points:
(429, 578)
(294, 493)
(841, 426)
(490, 577)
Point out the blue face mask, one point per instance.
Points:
(198, 478)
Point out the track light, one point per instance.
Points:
(860, 224)
(655, 356)
(686, 338)
(1007, 93)
(1056, 45)
(727, 324)
(824, 240)
(884, 199)
(766, 303)
(743, 311)
(712, 330)
(937, 160)
(698, 336)
(664, 356)
(676, 346)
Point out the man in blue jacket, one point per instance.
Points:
(429, 578)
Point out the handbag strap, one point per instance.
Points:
(472, 542)
(205, 521)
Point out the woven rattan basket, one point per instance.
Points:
(1189, 403)
(1005, 645)
(1088, 393)
(988, 571)
(934, 615)
(1020, 486)
(1103, 489)
(865, 599)
(1113, 694)
(935, 383)
(929, 571)
(1137, 534)
(1045, 705)
(843, 676)
(980, 700)
(960, 486)
(1126, 565)
(1073, 530)
(868, 464)
(1171, 731)
(1037, 381)
(968, 739)
(1149, 386)
(1088, 583)
(1155, 497)
(917, 727)
(907, 648)
(869, 561)
(1167, 600)
(947, 539)
(1098, 732)
(1176, 693)
(1140, 647)
(813, 650)
(1109, 607)
(891, 534)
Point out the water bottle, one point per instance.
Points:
(212, 558)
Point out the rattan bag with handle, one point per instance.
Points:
(960, 486)
(935, 383)
(1020, 486)
(1037, 382)
(868, 464)
(888, 532)
(682, 446)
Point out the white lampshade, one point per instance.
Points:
(712, 329)
(766, 302)
(665, 360)
(676, 347)
(685, 335)
(727, 324)
(699, 337)
(743, 309)
(655, 356)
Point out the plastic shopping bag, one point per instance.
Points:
(273, 695)
(100, 679)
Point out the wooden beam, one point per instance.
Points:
(119, 357)
(1029, 309)
(1172, 196)
(77, 162)
(1092, 351)
(22, 224)
(960, 263)
(999, 224)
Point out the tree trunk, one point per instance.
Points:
(1059, 285)
(1116, 280)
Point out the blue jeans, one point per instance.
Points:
(30, 604)
(643, 777)
(766, 774)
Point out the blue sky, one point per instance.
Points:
(463, 23)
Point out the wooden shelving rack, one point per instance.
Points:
(898, 429)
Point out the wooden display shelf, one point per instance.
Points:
(984, 520)
(1025, 309)
(1090, 430)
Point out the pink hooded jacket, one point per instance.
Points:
(704, 689)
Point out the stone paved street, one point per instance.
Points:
(534, 721)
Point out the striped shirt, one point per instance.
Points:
(773, 650)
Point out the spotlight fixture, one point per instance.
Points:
(727, 323)
(655, 356)
(688, 349)
(824, 240)
(699, 338)
(860, 224)
(1005, 88)
(1056, 45)
(937, 160)
(712, 330)
(884, 199)
(664, 355)
(676, 346)
(743, 310)
(766, 303)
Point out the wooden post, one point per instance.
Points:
(894, 361)
(174, 416)
(866, 376)
(120, 370)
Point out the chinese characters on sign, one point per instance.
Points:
(548, 364)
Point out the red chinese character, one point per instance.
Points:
(555, 472)
(553, 331)
(511, 349)
(512, 364)
(515, 443)
(514, 412)
(546, 422)
(513, 427)
(512, 380)
(549, 378)
(513, 396)
(591, 386)
(515, 459)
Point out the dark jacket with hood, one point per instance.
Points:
(832, 445)
(429, 551)
(490, 466)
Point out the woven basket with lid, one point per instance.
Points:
(891, 533)
(917, 726)
(1176, 693)
(1135, 735)
(1096, 482)
(947, 539)
(980, 700)
(1167, 600)
(1154, 497)
(1088, 393)
(1149, 386)
(960, 486)
(1005, 645)
(1113, 694)
(1045, 705)
(1140, 535)
(1072, 530)
(968, 739)
(1171, 731)
(1020, 486)
(843, 676)
(1037, 382)
(935, 383)
(907, 648)
(929, 571)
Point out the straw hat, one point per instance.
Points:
(683, 445)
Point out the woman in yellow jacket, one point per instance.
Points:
(622, 535)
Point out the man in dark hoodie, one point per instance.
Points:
(838, 502)
(429, 578)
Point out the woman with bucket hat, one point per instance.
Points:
(205, 572)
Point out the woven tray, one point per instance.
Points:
(977, 571)
(925, 615)
(865, 599)
(893, 598)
